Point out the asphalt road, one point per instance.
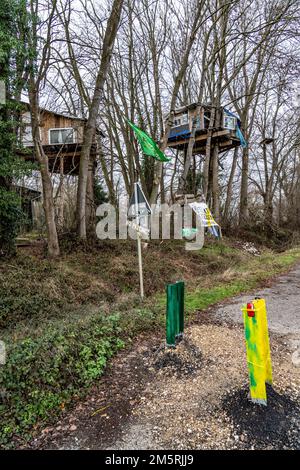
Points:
(283, 304)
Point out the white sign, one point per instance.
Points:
(144, 232)
(138, 202)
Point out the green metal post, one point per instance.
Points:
(180, 291)
(171, 314)
(175, 312)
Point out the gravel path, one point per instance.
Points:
(195, 397)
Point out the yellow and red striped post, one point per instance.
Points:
(258, 349)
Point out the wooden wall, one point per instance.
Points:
(54, 121)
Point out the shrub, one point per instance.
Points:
(42, 374)
(10, 214)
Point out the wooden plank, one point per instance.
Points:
(201, 137)
(223, 148)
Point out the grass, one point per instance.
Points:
(62, 321)
(243, 275)
(244, 278)
(203, 298)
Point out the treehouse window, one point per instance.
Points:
(206, 119)
(197, 121)
(61, 136)
(229, 122)
(181, 120)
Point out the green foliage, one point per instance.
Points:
(42, 374)
(100, 195)
(242, 276)
(6, 36)
(10, 215)
(203, 298)
(36, 291)
(10, 165)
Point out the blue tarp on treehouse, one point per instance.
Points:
(180, 131)
(238, 131)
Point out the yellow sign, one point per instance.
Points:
(207, 220)
(258, 349)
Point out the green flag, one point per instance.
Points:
(149, 147)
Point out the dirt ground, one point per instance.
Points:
(194, 397)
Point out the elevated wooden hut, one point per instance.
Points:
(61, 137)
(227, 133)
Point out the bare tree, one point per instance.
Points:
(182, 67)
(90, 128)
(168, 55)
(38, 61)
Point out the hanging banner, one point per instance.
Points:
(202, 211)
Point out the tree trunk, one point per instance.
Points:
(244, 212)
(230, 184)
(108, 180)
(298, 197)
(90, 128)
(268, 209)
(90, 203)
(208, 152)
(60, 195)
(189, 153)
(215, 182)
(48, 202)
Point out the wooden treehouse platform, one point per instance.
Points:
(224, 137)
(61, 137)
(225, 133)
(62, 159)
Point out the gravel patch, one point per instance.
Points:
(276, 425)
(184, 360)
(209, 408)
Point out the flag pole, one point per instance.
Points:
(138, 234)
(139, 245)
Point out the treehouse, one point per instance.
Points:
(61, 136)
(227, 134)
